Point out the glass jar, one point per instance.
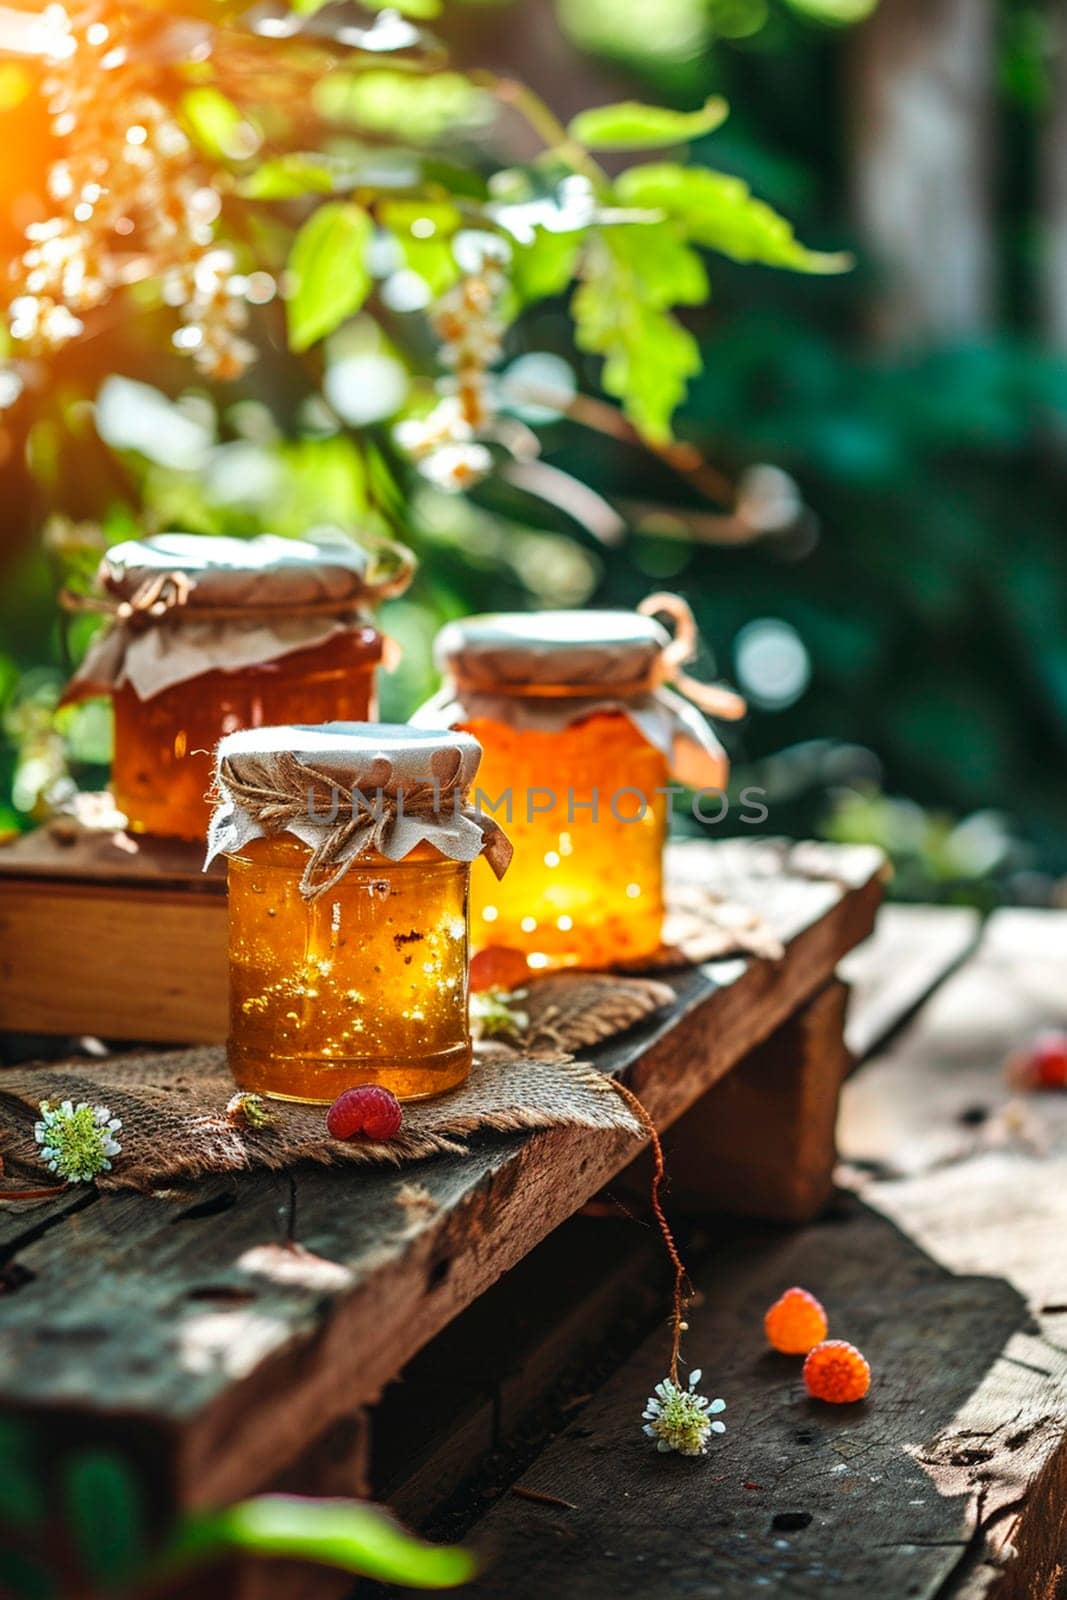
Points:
(581, 737)
(586, 885)
(214, 635)
(164, 746)
(349, 959)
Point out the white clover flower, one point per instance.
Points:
(680, 1419)
(77, 1141)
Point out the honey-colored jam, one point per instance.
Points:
(367, 984)
(581, 889)
(162, 765)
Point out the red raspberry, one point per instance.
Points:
(369, 1110)
(498, 967)
(1042, 1064)
(795, 1323)
(835, 1371)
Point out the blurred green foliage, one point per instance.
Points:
(912, 611)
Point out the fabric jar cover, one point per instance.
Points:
(346, 788)
(183, 604)
(547, 670)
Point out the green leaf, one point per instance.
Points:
(721, 213)
(839, 13)
(328, 263)
(544, 266)
(347, 1534)
(421, 9)
(287, 177)
(216, 125)
(105, 1515)
(417, 110)
(423, 230)
(633, 126)
(619, 312)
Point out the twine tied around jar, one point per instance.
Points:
(275, 792)
(709, 697)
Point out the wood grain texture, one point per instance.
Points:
(121, 963)
(911, 951)
(243, 1322)
(977, 1175)
(797, 1499)
(760, 1143)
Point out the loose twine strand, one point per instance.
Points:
(659, 1172)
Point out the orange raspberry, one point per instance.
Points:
(835, 1371)
(795, 1322)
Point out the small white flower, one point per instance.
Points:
(456, 467)
(680, 1419)
(77, 1142)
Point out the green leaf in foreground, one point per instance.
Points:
(105, 1515)
(347, 1534)
(328, 263)
(633, 126)
(631, 275)
(721, 213)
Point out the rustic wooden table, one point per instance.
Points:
(236, 1341)
(944, 1257)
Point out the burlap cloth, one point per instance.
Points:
(175, 1127)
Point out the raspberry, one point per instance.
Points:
(835, 1371)
(795, 1322)
(498, 967)
(1042, 1064)
(369, 1110)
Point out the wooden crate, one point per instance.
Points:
(112, 935)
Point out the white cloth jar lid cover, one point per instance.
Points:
(565, 649)
(235, 572)
(301, 780)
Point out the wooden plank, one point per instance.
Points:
(942, 1145)
(881, 1500)
(123, 964)
(760, 1143)
(911, 951)
(96, 856)
(241, 1334)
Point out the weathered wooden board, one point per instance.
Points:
(911, 951)
(797, 1499)
(951, 1275)
(241, 1325)
(976, 1173)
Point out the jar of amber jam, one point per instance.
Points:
(581, 738)
(210, 635)
(349, 851)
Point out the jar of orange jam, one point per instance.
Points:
(349, 851)
(210, 635)
(581, 738)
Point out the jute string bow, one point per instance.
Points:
(716, 701)
(278, 793)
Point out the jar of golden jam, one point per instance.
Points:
(349, 851)
(581, 738)
(211, 635)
